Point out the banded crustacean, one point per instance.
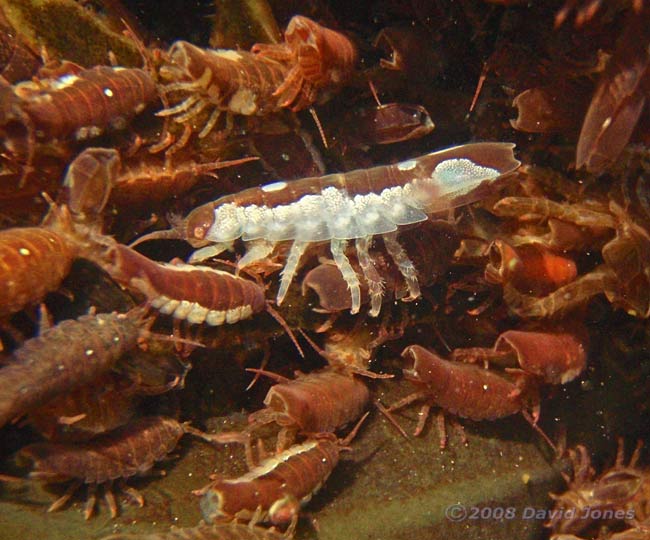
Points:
(347, 206)
(227, 81)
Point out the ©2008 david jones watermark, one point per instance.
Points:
(460, 513)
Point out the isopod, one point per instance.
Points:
(64, 357)
(340, 207)
(214, 531)
(319, 402)
(33, 262)
(196, 294)
(464, 390)
(276, 489)
(227, 81)
(84, 104)
(127, 451)
(320, 59)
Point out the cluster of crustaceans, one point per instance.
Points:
(73, 374)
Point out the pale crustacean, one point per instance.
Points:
(356, 205)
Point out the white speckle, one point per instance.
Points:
(89, 352)
(229, 54)
(407, 165)
(606, 123)
(275, 186)
(485, 387)
(24, 251)
(108, 92)
(453, 171)
(65, 81)
(285, 157)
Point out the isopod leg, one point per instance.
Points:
(257, 250)
(212, 121)
(375, 283)
(89, 507)
(180, 107)
(297, 249)
(109, 497)
(349, 275)
(404, 264)
(207, 252)
(191, 112)
(63, 499)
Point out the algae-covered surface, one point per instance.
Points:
(64, 29)
(385, 488)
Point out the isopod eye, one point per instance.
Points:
(199, 222)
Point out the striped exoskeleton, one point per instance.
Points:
(125, 452)
(357, 206)
(228, 81)
(315, 403)
(275, 489)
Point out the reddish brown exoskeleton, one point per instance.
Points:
(556, 357)
(214, 531)
(464, 390)
(275, 489)
(226, 81)
(66, 356)
(314, 403)
(196, 294)
(321, 60)
(128, 451)
(84, 104)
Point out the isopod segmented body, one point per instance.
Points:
(349, 206)
(70, 354)
(235, 82)
(319, 402)
(277, 487)
(196, 294)
(85, 103)
(320, 59)
(215, 531)
(120, 454)
(464, 390)
(33, 262)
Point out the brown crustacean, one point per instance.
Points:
(66, 356)
(228, 82)
(314, 403)
(321, 59)
(463, 390)
(214, 531)
(275, 489)
(125, 452)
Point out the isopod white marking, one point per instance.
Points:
(275, 186)
(342, 207)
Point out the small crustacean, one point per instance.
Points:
(88, 183)
(214, 531)
(556, 357)
(313, 403)
(340, 207)
(232, 82)
(98, 174)
(620, 96)
(320, 58)
(618, 496)
(385, 124)
(275, 489)
(64, 357)
(431, 248)
(530, 267)
(128, 451)
(464, 390)
(84, 104)
(196, 294)
(34, 260)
